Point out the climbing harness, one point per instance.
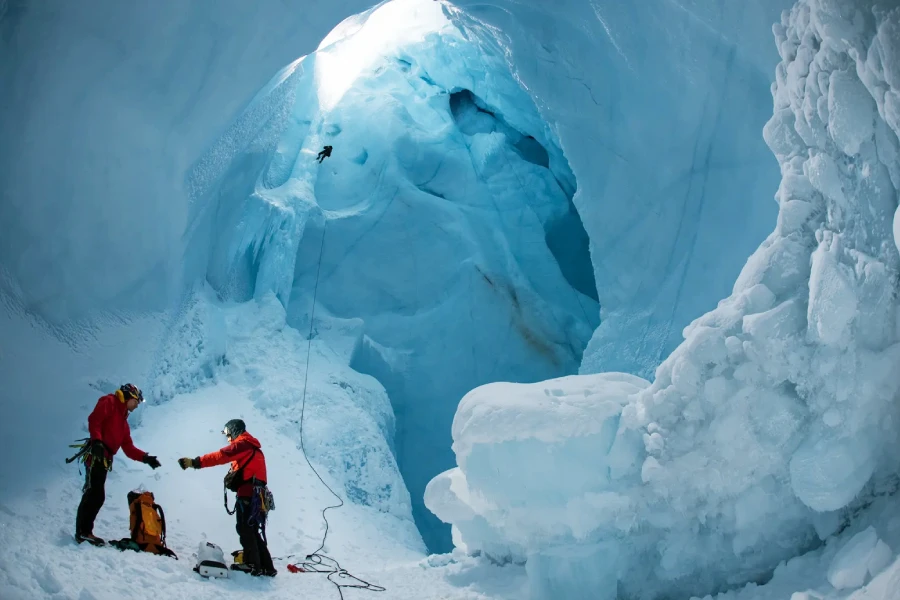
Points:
(316, 562)
(85, 456)
(261, 500)
(83, 448)
(234, 479)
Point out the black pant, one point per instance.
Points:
(256, 551)
(92, 499)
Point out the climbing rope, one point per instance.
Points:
(316, 562)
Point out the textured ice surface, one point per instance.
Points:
(144, 93)
(106, 107)
(674, 182)
(776, 418)
(441, 220)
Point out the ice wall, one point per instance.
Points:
(143, 92)
(106, 105)
(658, 106)
(775, 420)
(442, 224)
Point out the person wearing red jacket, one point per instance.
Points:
(249, 464)
(109, 431)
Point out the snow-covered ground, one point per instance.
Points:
(260, 380)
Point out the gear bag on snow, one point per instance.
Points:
(148, 526)
(210, 561)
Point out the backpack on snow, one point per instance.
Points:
(148, 526)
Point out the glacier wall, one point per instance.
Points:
(441, 229)
(144, 93)
(107, 106)
(774, 421)
(658, 106)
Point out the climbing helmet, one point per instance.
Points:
(129, 391)
(234, 428)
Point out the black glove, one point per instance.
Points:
(152, 461)
(189, 462)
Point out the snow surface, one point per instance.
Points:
(373, 535)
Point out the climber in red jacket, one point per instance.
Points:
(248, 478)
(108, 427)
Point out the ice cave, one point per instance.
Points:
(590, 300)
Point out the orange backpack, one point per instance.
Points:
(148, 523)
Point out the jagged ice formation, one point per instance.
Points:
(774, 420)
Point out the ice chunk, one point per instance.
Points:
(827, 472)
(778, 408)
(573, 572)
(850, 566)
(832, 297)
(851, 112)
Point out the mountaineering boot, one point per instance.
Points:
(242, 567)
(90, 538)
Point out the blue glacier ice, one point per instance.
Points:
(441, 220)
(521, 279)
(773, 424)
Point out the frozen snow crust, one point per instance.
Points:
(773, 421)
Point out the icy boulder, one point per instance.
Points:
(863, 556)
(777, 414)
(531, 457)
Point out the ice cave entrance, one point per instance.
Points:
(439, 239)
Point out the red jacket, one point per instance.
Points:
(237, 453)
(109, 423)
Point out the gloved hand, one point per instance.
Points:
(152, 461)
(189, 462)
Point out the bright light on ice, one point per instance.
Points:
(361, 41)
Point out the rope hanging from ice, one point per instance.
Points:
(315, 561)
